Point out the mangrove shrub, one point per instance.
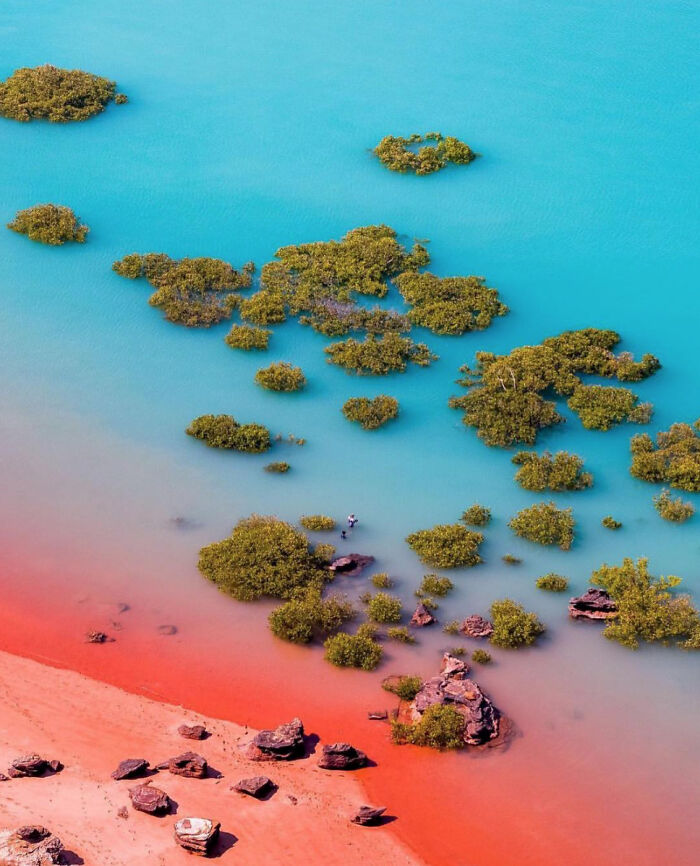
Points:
(673, 459)
(544, 523)
(563, 471)
(371, 413)
(248, 338)
(394, 151)
(57, 95)
(52, 224)
(223, 431)
(281, 376)
(377, 356)
(447, 545)
(513, 626)
(672, 509)
(552, 583)
(359, 650)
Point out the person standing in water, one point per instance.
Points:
(352, 520)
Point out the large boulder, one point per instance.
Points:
(454, 688)
(476, 626)
(30, 846)
(285, 743)
(130, 768)
(257, 786)
(350, 565)
(367, 816)
(341, 756)
(188, 764)
(146, 798)
(422, 616)
(593, 604)
(192, 732)
(197, 835)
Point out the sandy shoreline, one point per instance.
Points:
(90, 726)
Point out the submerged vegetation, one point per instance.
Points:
(513, 626)
(223, 431)
(433, 584)
(248, 338)
(57, 95)
(552, 583)
(675, 510)
(194, 292)
(544, 523)
(476, 515)
(440, 727)
(52, 224)
(447, 545)
(384, 608)
(281, 376)
(509, 396)
(317, 522)
(382, 580)
(673, 459)
(278, 467)
(395, 153)
(404, 687)
(371, 413)
(400, 633)
(308, 615)
(563, 471)
(359, 650)
(481, 656)
(609, 522)
(377, 356)
(648, 610)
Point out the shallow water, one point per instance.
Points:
(248, 128)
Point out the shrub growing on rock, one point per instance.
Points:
(544, 523)
(317, 522)
(400, 633)
(301, 618)
(54, 94)
(563, 471)
(377, 356)
(49, 224)
(384, 608)
(281, 376)
(372, 413)
(248, 338)
(609, 522)
(673, 459)
(433, 584)
(447, 545)
(513, 626)
(672, 509)
(600, 407)
(395, 153)
(263, 556)
(552, 583)
(476, 515)
(648, 610)
(404, 687)
(440, 727)
(353, 650)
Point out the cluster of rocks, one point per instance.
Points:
(32, 765)
(452, 687)
(593, 604)
(350, 565)
(30, 846)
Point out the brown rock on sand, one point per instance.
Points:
(285, 743)
(366, 816)
(192, 732)
(30, 846)
(146, 798)
(197, 835)
(341, 756)
(130, 768)
(32, 765)
(188, 764)
(257, 786)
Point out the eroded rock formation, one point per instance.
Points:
(197, 835)
(285, 743)
(341, 756)
(593, 604)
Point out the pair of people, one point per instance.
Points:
(352, 520)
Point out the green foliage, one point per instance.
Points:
(481, 657)
(121, 99)
(428, 602)
(263, 556)
(384, 608)
(509, 559)
(382, 580)
(324, 552)
(477, 515)
(301, 618)
(446, 545)
(378, 356)
(281, 376)
(405, 687)
(400, 633)
(49, 224)
(647, 608)
(544, 523)
(451, 627)
(223, 431)
(433, 584)
(506, 400)
(440, 727)
(394, 152)
(600, 407)
(277, 466)
(371, 413)
(358, 650)
(194, 292)
(317, 522)
(563, 471)
(264, 308)
(609, 522)
(552, 583)
(449, 305)
(337, 318)
(57, 95)
(513, 626)
(672, 509)
(248, 338)
(674, 459)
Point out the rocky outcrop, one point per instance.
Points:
(192, 732)
(257, 786)
(146, 798)
(476, 626)
(350, 565)
(30, 846)
(32, 765)
(454, 688)
(283, 744)
(130, 768)
(197, 835)
(367, 816)
(188, 764)
(341, 756)
(422, 616)
(593, 604)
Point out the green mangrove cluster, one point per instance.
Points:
(673, 459)
(563, 471)
(377, 356)
(544, 523)
(476, 515)
(513, 626)
(371, 413)
(52, 224)
(223, 431)
(281, 376)
(673, 509)
(248, 338)
(395, 152)
(447, 545)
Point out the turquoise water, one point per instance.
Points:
(248, 128)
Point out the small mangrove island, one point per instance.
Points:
(371, 413)
(447, 545)
(396, 154)
(674, 458)
(546, 524)
(52, 224)
(558, 472)
(223, 431)
(281, 376)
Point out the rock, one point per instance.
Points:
(28, 765)
(30, 846)
(341, 756)
(593, 604)
(422, 616)
(4, 778)
(196, 835)
(98, 637)
(55, 766)
(167, 629)
(283, 744)
(145, 798)
(350, 565)
(377, 715)
(257, 786)
(188, 764)
(123, 812)
(366, 816)
(192, 732)
(452, 687)
(476, 626)
(130, 768)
